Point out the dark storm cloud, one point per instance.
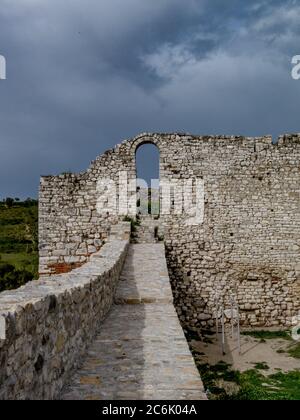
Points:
(83, 75)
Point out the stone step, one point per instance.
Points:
(147, 231)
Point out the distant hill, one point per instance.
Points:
(18, 242)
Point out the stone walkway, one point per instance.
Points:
(140, 351)
(147, 231)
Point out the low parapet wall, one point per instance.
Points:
(46, 326)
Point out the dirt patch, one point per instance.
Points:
(266, 368)
(273, 352)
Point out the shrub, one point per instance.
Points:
(11, 278)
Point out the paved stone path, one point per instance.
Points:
(140, 351)
(145, 232)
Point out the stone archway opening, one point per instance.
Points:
(148, 175)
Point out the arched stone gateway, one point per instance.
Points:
(248, 243)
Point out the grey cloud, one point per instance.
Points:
(83, 75)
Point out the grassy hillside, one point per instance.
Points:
(18, 242)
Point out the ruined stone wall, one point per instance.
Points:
(248, 244)
(46, 325)
(250, 241)
(70, 227)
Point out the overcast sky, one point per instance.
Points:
(82, 75)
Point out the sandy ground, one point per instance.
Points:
(252, 352)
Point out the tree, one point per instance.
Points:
(9, 202)
(31, 228)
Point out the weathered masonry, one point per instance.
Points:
(248, 244)
(47, 325)
(107, 330)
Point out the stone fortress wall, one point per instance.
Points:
(47, 325)
(249, 243)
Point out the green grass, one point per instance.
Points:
(279, 386)
(224, 383)
(22, 260)
(268, 335)
(294, 351)
(261, 366)
(18, 243)
(210, 376)
(251, 385)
